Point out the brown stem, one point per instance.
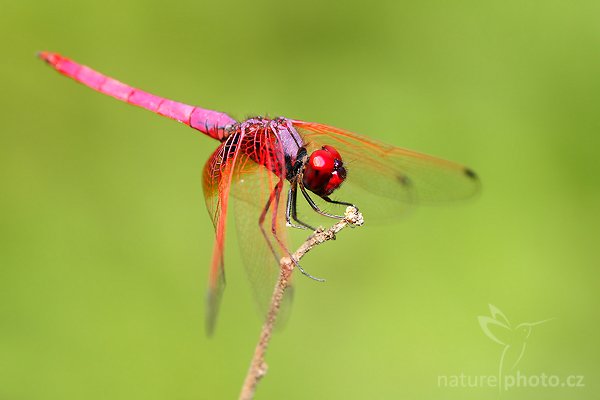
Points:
(258, 367)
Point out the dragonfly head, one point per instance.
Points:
(324, 172)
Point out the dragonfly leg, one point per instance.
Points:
(314, 205)
(261, 220)
(343, 203)
(291, 211)
(275, 197)
(306, 273)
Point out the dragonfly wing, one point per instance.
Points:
(259, 249)
(217, 176)
(259, 194)
(231, 170)
(393, 174)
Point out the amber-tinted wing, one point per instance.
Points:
(259, 249)
(397, 176)
(259, 194)
(218, 174)
(233, 174)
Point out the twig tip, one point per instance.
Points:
(353, 216)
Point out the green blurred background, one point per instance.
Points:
(105, 242)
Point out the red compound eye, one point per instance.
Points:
(322, 160)
(324, 171)
(333, 152)
(337, 177)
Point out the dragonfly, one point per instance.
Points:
(263, 164)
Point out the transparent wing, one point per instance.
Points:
(259, 192)
(217, 177)
(260, 251)
(390, 179)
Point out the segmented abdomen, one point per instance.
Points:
(211, 123)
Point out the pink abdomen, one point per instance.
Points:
(212, 123)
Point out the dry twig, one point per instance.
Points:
(258, 367)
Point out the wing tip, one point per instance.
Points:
(404, 180)
(469, 173)
(476, 182)
(213, 299)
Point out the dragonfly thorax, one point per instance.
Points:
(322, 172)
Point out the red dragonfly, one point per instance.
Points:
(258, 156)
